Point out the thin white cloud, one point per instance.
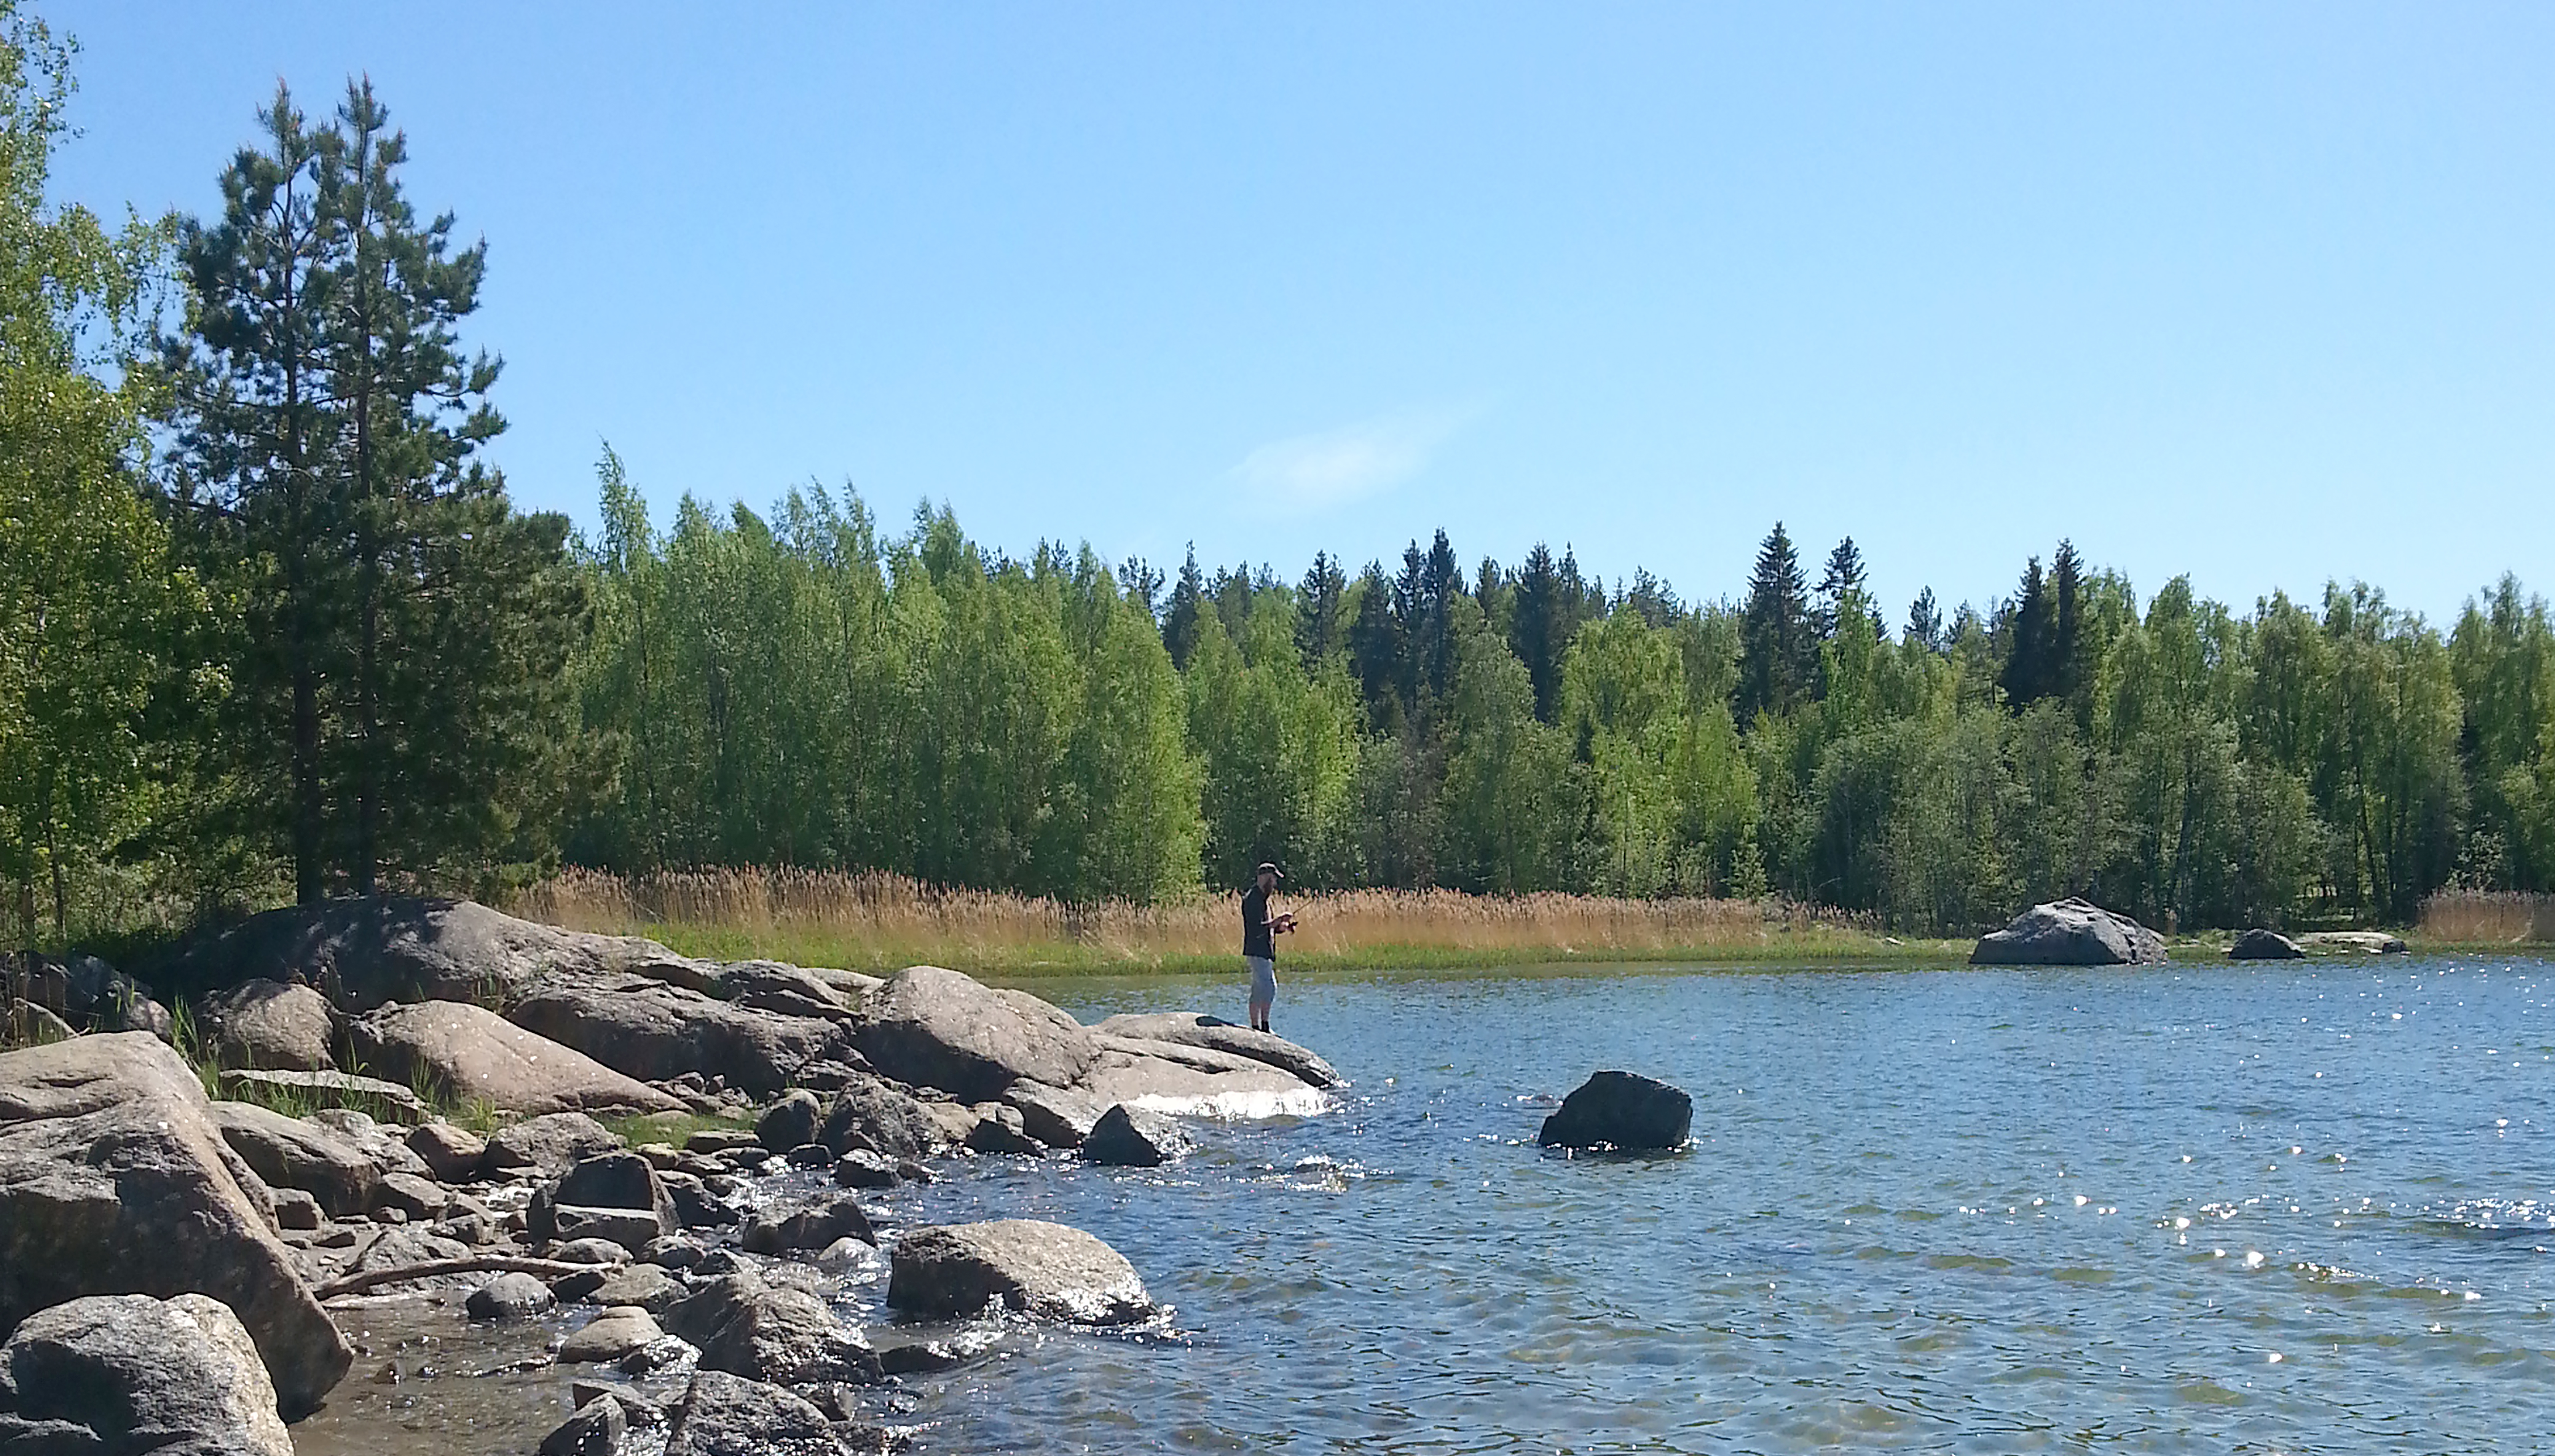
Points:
(1336, 466)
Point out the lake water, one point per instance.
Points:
(2305, 1207)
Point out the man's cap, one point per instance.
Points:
(1270, 867)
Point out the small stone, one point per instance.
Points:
(596, 1429)
(845, 1255)
(451, 1152)
(790, 1122)
(719, 1140)
(813, 1226)
(572, 1288)
(862, 1169)
(673, 1252)
(509, 1297)
(419, 1198)
(999, 1129)
(811, 1155)
(644, 1286)
(640, 1410)
(1131, 1137)
(589, 1251)
(295, 1209)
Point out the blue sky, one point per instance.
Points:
(2262, 293)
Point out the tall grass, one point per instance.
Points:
(877, 921)
(2481, 918)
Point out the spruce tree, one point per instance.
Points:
(1180, 624)
(2031, 636)
(1925, 622)
(1535, 616)
(2066, 585)
(1320, 629)
(1777, 644)
(1376, 649)
(1843, 578)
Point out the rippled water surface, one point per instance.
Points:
(2286, 1209)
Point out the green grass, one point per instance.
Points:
(675, 1127)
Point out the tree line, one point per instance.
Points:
(271, 628)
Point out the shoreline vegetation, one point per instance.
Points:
(881, 923)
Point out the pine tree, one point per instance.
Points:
(1180, 624)
(1925, 622)
(1779, 643)
(1320, 627)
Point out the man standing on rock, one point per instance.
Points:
(1260, 930)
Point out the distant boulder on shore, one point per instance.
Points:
(2070, 932)
(1625, 1110)
(2262, 945)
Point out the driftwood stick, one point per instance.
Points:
(548, 1269)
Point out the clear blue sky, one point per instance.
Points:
(2263, 293)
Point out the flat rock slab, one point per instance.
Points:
(479, 1054)
(1191, 1028)
(114, 1181)
(2357, 942)
(1625, 1110)
(935, 1028)
(2070, 932)
(131, 1373)
(370, 1095)
(1038, 1268)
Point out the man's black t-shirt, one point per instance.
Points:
(1256, 939)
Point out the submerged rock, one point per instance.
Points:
(2070, 932)
(120, 1375)
(1026, 1264)
(2261, 944)
(1132, 1136)
(509, 1297)
(476, 1053)
(1621, 1110)
(114, 1179)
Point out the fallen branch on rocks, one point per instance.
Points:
(548, 1269)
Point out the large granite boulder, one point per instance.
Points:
(935, 1028)
(86, 993)
(1128, 1069)
(2262, 945)
(121, 1375)
(722, 1415)
(273, 1025)
(657, 1031)
(473, 1052)
(772, 1332)
(288, 1153)
(1031, 1265)
(114, 1179)
(1625, 1110)
(1190, 1028)
(547, 1145)
(611, 1195)
(2070, 932)
(369, 952)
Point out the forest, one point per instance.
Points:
(271, 630)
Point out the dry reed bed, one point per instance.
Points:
(876, 918)
(2488, 917)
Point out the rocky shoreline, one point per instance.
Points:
(772, 1114)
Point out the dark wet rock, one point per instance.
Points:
(2262, 945)
(674, 1252)
(656, 1032)
(809, 1155)
(1190, 1028)
(1132, 1137)
(2356, 942)
(596, 1429)
(935, 1028)
(812, 1227)
(718, 1264)
(643, 1413)
(999, 1129)
(2070, 932)
(474, 1054)
(790, 1122)
(1621, 1110)
(549, 1145)
(115, 1180)
(288, 1153)
(451, 1153)
(509, 1297)
(366, 952)
(84, 993)
(273, 1025)
(329, 1091)
(616, 1332)
(1040, 1268)
(575, 1287)
(1055, 1116)
(642, 1285)
(724, 1416)
(121, 1375)
(872, 1115)
(699, 1206)
(862, 1169)
(611, 1195)
(719, 1139)
(748, 1327)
